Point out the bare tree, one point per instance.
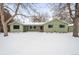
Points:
(74, 14)
(60, 11)
(40, 17)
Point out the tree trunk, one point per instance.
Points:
(75, 20)
(4, 25)
(75, 27)
(5, 29)
(3, 21)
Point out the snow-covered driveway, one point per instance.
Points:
(39, 43)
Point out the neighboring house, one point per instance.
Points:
(50, 26)
(56, 26)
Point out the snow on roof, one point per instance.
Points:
(70, 25)
(34, 23)
(58, 20)
(15, 21)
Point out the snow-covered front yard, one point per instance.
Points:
(39, 43)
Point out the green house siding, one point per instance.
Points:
(56, 26)
(34, 28)
(12, 29)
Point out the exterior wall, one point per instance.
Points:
(32, 29)
(56, 27)
(16, 30)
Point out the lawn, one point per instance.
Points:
(39, 43)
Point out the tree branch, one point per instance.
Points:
(16, 11)
(70, 11)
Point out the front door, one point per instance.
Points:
(25, 29)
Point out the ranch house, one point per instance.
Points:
(49, 26)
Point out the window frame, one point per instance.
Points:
(50, 26)
(61, 26)
(34, 27)
(16, 27)
(30, 27)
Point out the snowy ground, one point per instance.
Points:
(35, 43)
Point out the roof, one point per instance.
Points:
(15, 22)
(28, 23)
(57, 20)
(34, 23)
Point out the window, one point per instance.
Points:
(34, 27)
(16, 26)
(61, 26)
(50, 26)
(30, 27)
